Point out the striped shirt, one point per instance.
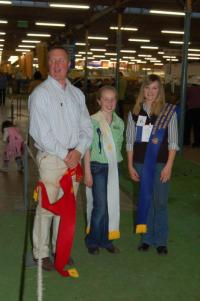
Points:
(172, 131)
(96, 151)
(59, 119)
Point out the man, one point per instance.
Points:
(61, 128)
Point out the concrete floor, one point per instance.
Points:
(11, 183)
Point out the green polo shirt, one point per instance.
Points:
(96, 150)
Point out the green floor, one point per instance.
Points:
(128, 276)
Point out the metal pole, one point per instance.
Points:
(26, 203)
(118, 49)
(12, 110)
(86, 61)
(184, 73)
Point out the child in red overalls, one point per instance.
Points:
(13, 147)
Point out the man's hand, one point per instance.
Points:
(88, 180)
(72, 159)
(133, 174)
(166, 173)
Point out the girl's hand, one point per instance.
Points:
(88, 180)
(133, 174)
(166, 173)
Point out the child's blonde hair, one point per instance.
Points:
(159, 102)
(104, 88)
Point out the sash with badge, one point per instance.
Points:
(153, 134)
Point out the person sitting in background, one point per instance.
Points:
(37, 79)
(13, 145)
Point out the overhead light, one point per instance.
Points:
(160, 52)
(146, 69)
(3, 22)
(158, 64)
(22, 50)
(194, 54)
(195, 50)
(124, 28)
(1, 49)
(139, 40)
(149, 47)
(80, 44)
(2, 33)
(78, 55)
(12, 59)
(129, 57)
(172, 31)
(169, 57)
(128, 51)
(2, 40)
(165, 12)
(62, 5)
(98, 49)
(1, 45)
(31, 41)
(145, 55)
(172, 60)
(193, 58)
(176, 42)
(26, 46)
(111, 53)
(38, 35)
(50, 24)
(97, 38)
(6, 2)
(84, 52)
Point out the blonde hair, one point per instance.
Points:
(104, 88)
(159, 102)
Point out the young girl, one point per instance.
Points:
(13, 147)
(101, 174)
(152, 142)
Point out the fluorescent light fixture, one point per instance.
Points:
(142, 62)
(35, 59)
(3, 22)
(146, 69)
(139, 40)
(31, 41)
(2, 33)
(2, 40)
(38, 35)
(35, 65)
(158, 64)
(111, 53)
(70, 6)
(124, 28)
(6, 2)
(145, 55)
(26, 46)
(160, 52)
(50, 24)
(22, 50)
(166, 12)
(176, 42)
(129, 57)
(172, 60)
(98, 49)
(195, 50)
(1, 45)
(97, 38)
(13, 58)
(149, 47)
(84, 52)
(128, 51)
(172, 31)
(78, 55)
(193, 58)
(80, 44)
(194, 54)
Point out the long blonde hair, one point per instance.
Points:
(158, 104)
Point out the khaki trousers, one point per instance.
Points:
(51, 170)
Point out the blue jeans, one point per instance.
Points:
(157, 220)
(98, 235)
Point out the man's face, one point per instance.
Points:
(58, 63)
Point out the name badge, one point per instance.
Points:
(146, 132)
(141, 120)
